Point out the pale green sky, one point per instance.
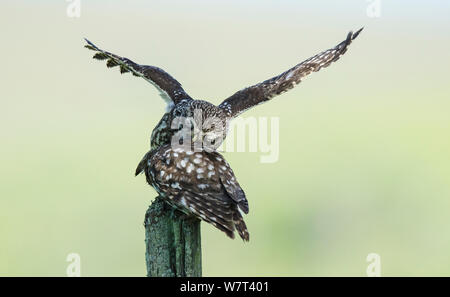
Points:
(364, 144)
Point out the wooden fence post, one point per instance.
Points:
(173, 242)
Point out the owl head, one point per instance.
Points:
(198, 125)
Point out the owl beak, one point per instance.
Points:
(195, 138)
(197, 135)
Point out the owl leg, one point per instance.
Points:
(173, 215)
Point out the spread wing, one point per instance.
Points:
(262, 92)
(169, 87)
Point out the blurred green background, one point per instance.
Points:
(364, 145)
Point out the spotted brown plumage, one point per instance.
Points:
(262, 92)
(200, 184)
(181, 104)
(197, 121)
(169, 87)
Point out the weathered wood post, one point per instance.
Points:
(173, 242)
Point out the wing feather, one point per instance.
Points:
(170, 89)
(200, 184)
(262, 92)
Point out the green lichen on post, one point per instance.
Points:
(173, 242)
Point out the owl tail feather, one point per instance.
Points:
(142, 165)
(240, 225)
(224, 216)
(210, 211)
